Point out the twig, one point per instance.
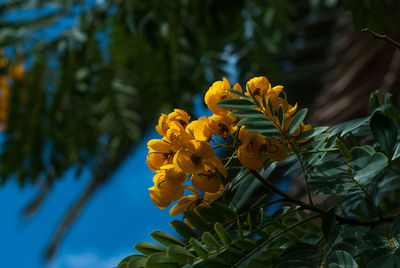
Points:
(342, 220)
(382, 37)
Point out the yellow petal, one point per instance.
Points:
(200, 129)
(183, 204)
(206, 181)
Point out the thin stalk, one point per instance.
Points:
(294, 146)
(343, 220)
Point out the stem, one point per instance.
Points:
(230, 158)
(292, 144)
(303, 168)
(343, 220)
(285, 195)
(382, 37)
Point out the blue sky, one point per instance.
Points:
(120, 215)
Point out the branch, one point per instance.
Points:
(342, 220)
(285, 195)
(382, 37)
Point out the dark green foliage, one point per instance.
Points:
(357, 224)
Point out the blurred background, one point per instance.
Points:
(82, 84)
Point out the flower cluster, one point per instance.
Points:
(185, 152)
(8, 72)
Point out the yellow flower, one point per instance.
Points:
(162, 126)
(194, 157)
(200, 129)
(186, 202)
(217, 92)
(173, 174)
(192, 202)
(222, 125)
(258, 86)
(164, 192)
(274, 149)
(160, 153)
(274, 92)
(250, 152)
(207, 180)
(164, 122)
(177, 135)
(211, 196)
(179, 116)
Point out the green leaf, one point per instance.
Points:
(396, 152)
(346, 247)
(133, 261)
(180, 254)
(310, 133)
(226, 212)
(197, 221)
(381, 262)
(255, 122)
(249, 222)
(183, 229)
(249, 189)
(296, 121)
(374, 101)
(374, 166)
(263, 129)
(264, 101)
(248, 113)
(272, 135)
(396, 228)
(148, 248)
(384, 131)
(342, 259)
(246, 244)
(223, 234)
(270, 107)
(199, 248)
(161, 260)
(361, 156)
(281, 116)
(329, 228)
(209, 214)
(343, 148)
(238, 104)
(301, 252)
(210, 241)
(346, 127)
(240, 94)
(166, 239)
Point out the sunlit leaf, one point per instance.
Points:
(148, 248)
(166, 239)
